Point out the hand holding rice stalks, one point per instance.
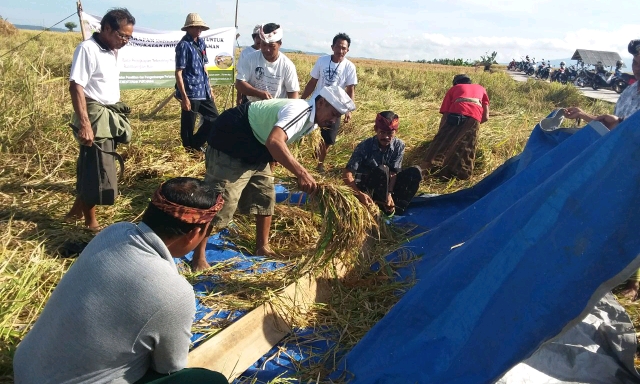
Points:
(346, 224)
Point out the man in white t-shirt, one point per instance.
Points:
(245, 52)
(94, 84)
(245, 139)
(268, 73)
(334, 69)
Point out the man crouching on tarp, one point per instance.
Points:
(122, 313)
(245, 139)
(99, 121)
(374, 169)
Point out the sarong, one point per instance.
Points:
(97, 177)
(453, 150)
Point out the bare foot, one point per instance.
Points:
(94, 228)
(265, 251)
(199, 264)
(630, 291)
(71, 217)
(92, 225)
(75, 213)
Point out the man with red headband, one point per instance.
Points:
(122, 313)
(374, 169)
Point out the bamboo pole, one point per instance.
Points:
(235, 67)
(79, 7)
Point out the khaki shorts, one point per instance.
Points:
(248, 188)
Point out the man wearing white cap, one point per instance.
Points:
(245, 139)
(245, 52)
(268, 74)
(192, 84)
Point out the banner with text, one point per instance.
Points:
(148, 60)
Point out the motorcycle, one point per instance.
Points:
(559, 75)
(585, 78)
(570, 74)
(529, 69)
(616, 82)
(512, 65)
(620, 83)
(543, 72)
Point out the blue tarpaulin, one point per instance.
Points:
(540, 242)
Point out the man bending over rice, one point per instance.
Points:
(245, 139)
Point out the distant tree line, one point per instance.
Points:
(485, 60)
(454, 62)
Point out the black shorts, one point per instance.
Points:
(329, 134)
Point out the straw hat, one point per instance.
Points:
(194, 20)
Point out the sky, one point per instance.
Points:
(400, 30)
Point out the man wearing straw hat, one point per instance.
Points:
(245, 139)
(192, 84)
(243, 56)
(268, 74)
(123, 313)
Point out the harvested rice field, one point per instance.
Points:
(331, 235)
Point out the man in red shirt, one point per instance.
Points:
(453, 149)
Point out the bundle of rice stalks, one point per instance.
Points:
(346, 224)
(6, 28)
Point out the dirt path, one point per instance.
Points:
(601, 94)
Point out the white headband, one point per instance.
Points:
(272, 37)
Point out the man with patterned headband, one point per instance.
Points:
(374, 169)
(243, 142)
(268, 73)
(122, 313)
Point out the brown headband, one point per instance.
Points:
(385, 124)
(188, 215)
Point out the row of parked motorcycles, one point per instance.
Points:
(579, 74)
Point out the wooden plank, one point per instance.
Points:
(241, 344)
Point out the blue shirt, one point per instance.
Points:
(191, 57)
(368, 155)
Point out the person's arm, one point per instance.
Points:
(168, 334)
(350, 180)
(79, 103)
(577, 113)
(392, 183)
(485, 113)
(609, 121)
(247, 89)
(291, 83)
(185, 103)
(351, 91)
(276, 143)
(309, 88)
